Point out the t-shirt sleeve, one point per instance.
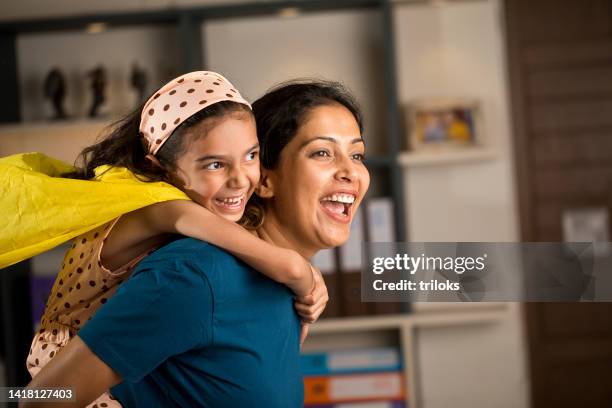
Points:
(164, 309)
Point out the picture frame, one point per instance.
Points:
(444, 124)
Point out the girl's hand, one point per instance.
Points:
(304, 333)
(311, 306)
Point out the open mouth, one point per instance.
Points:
(338, 206)
(231, 203)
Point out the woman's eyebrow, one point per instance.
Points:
(331, 139)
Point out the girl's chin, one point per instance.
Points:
(230, 216)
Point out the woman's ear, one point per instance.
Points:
(265, 189)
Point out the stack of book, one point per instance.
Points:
(362, 378)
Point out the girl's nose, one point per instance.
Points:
(238, 177)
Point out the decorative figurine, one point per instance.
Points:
(138, 80)
(55, 90)
(98, 85)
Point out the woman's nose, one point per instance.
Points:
(347, 170)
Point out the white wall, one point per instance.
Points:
(457, 50)
(257, 53)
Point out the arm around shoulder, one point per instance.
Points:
(188, 218)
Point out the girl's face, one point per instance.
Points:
(220, 169)
(320, 180)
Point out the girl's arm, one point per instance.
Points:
(136, 231)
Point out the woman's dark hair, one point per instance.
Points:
(123, 146)
(283, 109)
(280, 113)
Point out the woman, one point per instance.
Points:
(211, 338)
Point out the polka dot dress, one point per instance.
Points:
(81, 287)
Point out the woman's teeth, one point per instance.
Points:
(338, 203)
(341, 198)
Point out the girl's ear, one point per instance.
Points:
(265, 189)
(172, 177)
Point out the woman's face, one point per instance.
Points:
(320, 180)
(220, 169)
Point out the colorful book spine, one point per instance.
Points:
(369, 404)
(335, 389)
(40, 287)
(352, 361)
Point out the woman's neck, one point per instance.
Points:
(271, 231)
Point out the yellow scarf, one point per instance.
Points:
(40, 210)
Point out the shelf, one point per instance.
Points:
(61, 140)
(400, 331)
(173, 15)
(55, 125)
(446, 157)
(482, 314)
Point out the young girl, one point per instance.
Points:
(198, 134)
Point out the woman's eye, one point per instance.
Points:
(214, 166)
(320, 153)
(358, 156)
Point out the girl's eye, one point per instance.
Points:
(320, 153)
(252, 155)
(214, 166)
(358, 157)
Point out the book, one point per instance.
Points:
(350, 267)
(353, 387)
(380, 227)
(350, 252)
(325, 261)
(40, 288)
(351, 361)
(381, 224)
(368, 404)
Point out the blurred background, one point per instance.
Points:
(484, 120)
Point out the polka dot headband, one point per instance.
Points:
(178, 100)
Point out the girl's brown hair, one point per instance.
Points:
(123, 146)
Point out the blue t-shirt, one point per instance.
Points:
(194, 326)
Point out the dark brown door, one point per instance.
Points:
(560, 58)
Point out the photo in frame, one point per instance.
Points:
(444, 124)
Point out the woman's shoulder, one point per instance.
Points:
(191, 251)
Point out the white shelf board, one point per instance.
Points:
(446, 157)
(56, 125)
(62, 140)
(488, 313)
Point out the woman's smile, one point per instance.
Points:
(338, 205)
